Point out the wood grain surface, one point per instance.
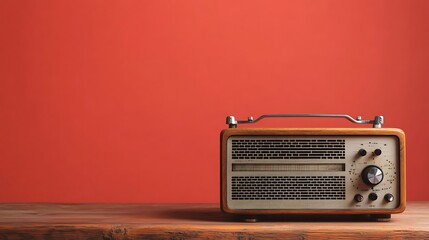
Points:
(194, 221)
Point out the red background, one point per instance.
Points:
(123, 101)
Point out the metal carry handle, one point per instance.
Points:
(376, 123)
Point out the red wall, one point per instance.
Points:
(123, 101)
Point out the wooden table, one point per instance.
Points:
(192, 221)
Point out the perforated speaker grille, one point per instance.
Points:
(288, 188)
(288, 149)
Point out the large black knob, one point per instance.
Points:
(372, 175)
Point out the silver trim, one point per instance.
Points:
(377, 122)
(375, 176)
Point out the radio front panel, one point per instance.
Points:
(312, 172)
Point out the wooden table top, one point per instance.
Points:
(193, 221)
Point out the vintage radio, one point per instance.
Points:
(313, 170)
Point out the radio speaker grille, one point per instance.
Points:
(288, 188)
(288, 149)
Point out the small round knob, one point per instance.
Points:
(388, 197)
(377, 152)
(372, 175)
(372, 196)
(362, 152)
(358, 198)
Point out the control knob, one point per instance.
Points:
(389, 197)
(377, 152)
(372, 196)
(358, 198)
(372, 175)
(362, 152)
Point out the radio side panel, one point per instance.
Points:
(319, 179)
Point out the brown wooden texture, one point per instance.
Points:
(194, 221)
(225, 134)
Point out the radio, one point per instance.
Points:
(313, 170)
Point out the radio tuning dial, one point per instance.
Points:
(372, 175)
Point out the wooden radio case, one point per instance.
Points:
(268, 171)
